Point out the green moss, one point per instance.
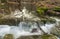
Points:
(48, 37)
(41, 10)
(56, 9)
(45, 36)
(48, 20)
(8, 36)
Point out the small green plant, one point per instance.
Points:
(41, 10)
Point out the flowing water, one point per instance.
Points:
(25, 28)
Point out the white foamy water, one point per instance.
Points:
(24, 29)
(4, 29)
(16, 31)
(47, 27)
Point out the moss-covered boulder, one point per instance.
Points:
(8, 36)
(38, 37)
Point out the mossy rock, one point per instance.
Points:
(48, 37)
(8, 36)
(48, 20)
(29, 37)
(56, 9)
(26, 37)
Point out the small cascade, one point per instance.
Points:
(47, 27)
(25, 28)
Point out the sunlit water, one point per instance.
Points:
(25, 28)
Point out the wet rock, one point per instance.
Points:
(34, 30)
